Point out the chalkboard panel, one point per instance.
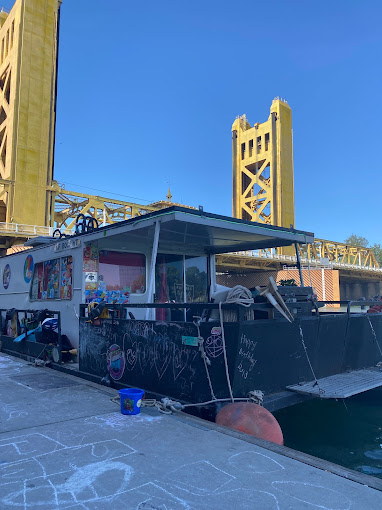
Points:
(271, 353)
(266, 355)
(158, 356)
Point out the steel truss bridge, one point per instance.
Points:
(322, 253)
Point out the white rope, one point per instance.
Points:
(225, 353)
(169, 406)
(240, 295)
(205, 358)
(320, 390)
(165, 405)
(374, 335)
(256, 396)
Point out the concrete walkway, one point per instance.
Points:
(64, 444)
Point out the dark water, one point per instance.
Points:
(346, 432)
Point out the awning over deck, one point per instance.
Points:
(191, 231)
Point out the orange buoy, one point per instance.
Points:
(252, 419)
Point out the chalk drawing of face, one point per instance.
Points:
(115, 361)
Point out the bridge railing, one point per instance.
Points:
(327, 253)
(321, 263)
(18, 229)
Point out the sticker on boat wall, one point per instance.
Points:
(28, 269)
(6, 276)
(115, 361)
(190, 340)
(91, 277)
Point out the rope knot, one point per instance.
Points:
(171, 405)
(256, 396)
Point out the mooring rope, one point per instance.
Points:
(320, 390)
(374, 334)
(168, 406)
(225, 352)
(204, 357)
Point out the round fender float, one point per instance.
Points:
(252, 419)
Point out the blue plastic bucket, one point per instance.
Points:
(131, 400)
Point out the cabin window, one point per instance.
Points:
(52, 279)
(121, 274)
(175, 273)
(169, 279)
(196, 279)
(180, 279)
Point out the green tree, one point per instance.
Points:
(377, 249)
(355, 240)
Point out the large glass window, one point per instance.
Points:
(172, 272)
(196, 279)
(121, 273)
(169, 279)
(52, 279)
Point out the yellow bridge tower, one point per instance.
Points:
(262, 168)
(28, 56)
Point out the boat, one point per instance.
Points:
(139, 302)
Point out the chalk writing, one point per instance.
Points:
(246, 359)
(249, 344)
(249, 356)
(41, 472)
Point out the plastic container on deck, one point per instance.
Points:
(131, 400)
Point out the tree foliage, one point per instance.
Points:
(355, 240)
(377, 249)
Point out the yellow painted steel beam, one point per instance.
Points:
(340, 253)
(69, 204)
(28, 56)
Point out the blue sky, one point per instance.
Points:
(148, 92)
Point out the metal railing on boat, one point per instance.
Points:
(122, 310)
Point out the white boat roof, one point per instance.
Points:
(184, 231)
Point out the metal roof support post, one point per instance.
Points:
(212, 274)
(151, 311)
(299, 264)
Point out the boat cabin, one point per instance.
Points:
(166, 256)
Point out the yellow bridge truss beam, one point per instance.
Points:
(67, 205)
(340, 253)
